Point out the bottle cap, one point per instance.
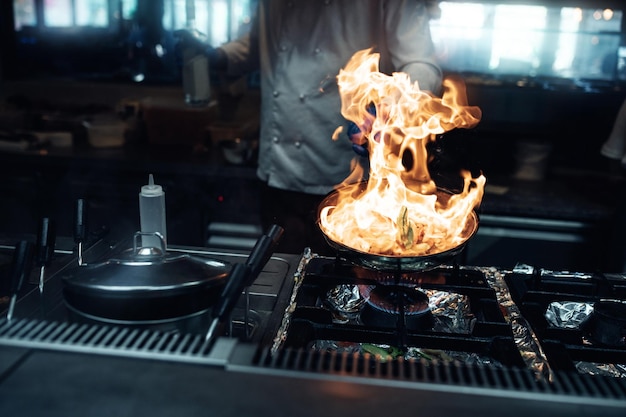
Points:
(152, 189)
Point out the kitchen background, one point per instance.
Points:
(92, 102)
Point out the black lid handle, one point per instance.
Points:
(45, 241)
(80, 221)
(22, 258)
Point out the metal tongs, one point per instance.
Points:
(242, 276)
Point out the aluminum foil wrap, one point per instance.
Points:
(298, 276)
(525, 340)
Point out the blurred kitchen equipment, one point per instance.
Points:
(171, 122)
(106, 131)
(196, 84)
(531, 159)
(238, 151)
(237, 142)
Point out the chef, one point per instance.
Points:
(299, 48)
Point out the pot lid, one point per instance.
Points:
(137, 271)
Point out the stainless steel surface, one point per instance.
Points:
(115, 341)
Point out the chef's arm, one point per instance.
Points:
(194, 42)
(410, 45)
(241, 56)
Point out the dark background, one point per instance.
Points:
(569, 219)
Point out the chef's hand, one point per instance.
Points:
(192, 38)
(359, 142)
(358, 134)
(196, 40)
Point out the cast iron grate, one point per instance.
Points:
(565, 346)
(489, 335)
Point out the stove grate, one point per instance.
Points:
(566, 345)
(116, 341)
(510, 381)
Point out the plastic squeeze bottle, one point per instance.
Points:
(152, 214)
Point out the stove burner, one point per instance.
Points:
(414, 278)
(606, 325)
(386, 303)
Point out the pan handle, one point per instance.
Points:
(243, 275)
(262, 251)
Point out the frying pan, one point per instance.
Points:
(395, 263)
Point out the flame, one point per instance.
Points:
(399, 211)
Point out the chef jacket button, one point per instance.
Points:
(317, 51)
(283, 48)
(275, 139)
(275, 93)
(302, 97)
(298, 144)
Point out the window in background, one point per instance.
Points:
(220, 20)
(62, 13)
(24, 13)
(58, 13)
(621, 63)
(518, 33)
(528, 40)
(488, 39)
(93, 13)
(128, 8)
(133, 36)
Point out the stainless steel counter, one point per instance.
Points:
(43, 383)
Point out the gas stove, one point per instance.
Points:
(457, 330)
(48, 320)
(448, 312)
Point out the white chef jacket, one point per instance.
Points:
(299, 47)
(615, 146)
